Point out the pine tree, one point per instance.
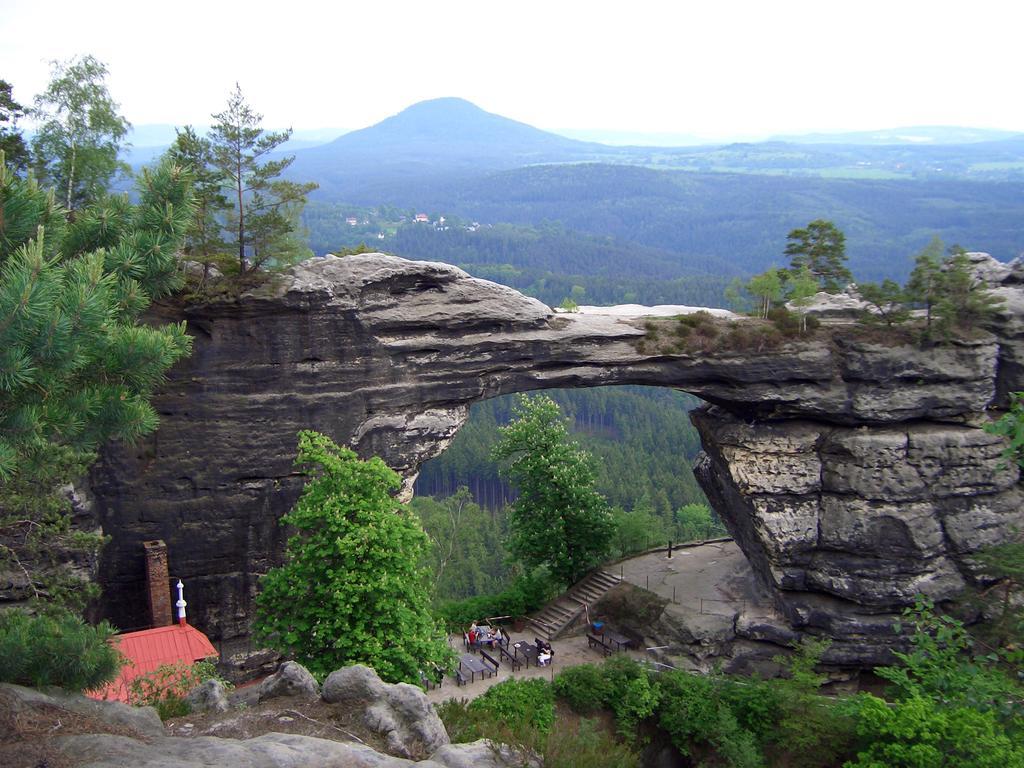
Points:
(12, 144)
(821, 247)
(76, 368)
(261, 200)
(204, 240)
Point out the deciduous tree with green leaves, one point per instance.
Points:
(767, 288)
(76, 147)
(821, 247)
(352, 589)
(76, 367)
(264, 204)
(559, 520)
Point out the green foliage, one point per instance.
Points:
(76, 367)
(800, 288)
(810, 730)
(467, 553)
(166, 687)
(559, 520)
(518, 704)
(526, 594)
(694, 522)
(578, 745)
(569, 305)
(204, 239)
(584, 745)
(1011, 426)
(584, 687)
(266, 207)
(641, 437)
(887, 301)
(75, 148)
(938, 666)
(352, 589)
(61, 650)
(921, 732)
(820, 248)
(766, 288)
(949, 709)
(12, 144)
(924, 287)
(964, 300)
(637, 530)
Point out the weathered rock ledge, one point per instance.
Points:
(850, 471)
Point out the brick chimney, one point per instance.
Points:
(158, 583)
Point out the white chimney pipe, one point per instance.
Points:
(181, 603)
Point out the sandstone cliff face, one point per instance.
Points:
(850, 472)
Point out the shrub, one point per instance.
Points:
(584, 688)
(787, 322)
(585, 746)
(527, 593)
(519, 704)
(59, 650)
(918, 731)
(167, 686)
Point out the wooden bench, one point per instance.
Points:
(595, 641)
(489, 662)
(460, 679)
(504, 655)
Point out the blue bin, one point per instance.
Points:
(598, 626)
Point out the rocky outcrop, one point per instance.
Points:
(290, 680)
(850, 467)
(400, 713)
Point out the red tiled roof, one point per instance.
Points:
(149, 649)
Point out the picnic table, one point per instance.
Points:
(620, 642)
(470, 663)
(528, 651)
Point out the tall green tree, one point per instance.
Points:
(821, 247)
(800, 289)
(12, 143)
(559, 520)
(924, 287)
(767, 288)
(352, 589)
(204, 239)
(76, 147)
(261, 199)
(76, 366)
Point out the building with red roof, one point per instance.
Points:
(165, 644)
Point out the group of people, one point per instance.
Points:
(484, 635)
(544, 652)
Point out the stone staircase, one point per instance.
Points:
(552, 619)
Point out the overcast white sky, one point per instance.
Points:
(712, 68)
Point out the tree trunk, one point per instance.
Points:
(241, 214)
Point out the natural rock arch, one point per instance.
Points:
(814, 450)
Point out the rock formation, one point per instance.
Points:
(853, 472)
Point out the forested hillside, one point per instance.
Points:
(624, 233)
(641, 437)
